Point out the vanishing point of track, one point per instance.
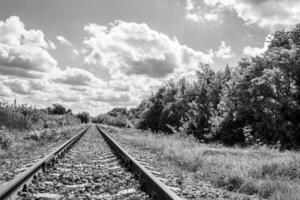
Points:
(91, 165)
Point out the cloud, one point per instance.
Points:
(69, 98)
(113, 98)
(24, 53)
(211, 17)
(4, 90)
(224, 51)
(135, 49)
(76, 52)
(138, 60)
(63, 40)
(119, 85)
(194, 17)
(198, 12)
(256, 51)
(18, 86)
(76, 77)
(265, 13)
(40, 85)
(52, 45)
(189, 5)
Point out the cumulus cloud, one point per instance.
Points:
(211, 17)
(18, 86)
(40, 85)
(4, 90)
(194, 17)
(135, 49)
(23, 53)
(63, 40)
(113, 98)
(138, 59)
(224, 51)
(265, 13)
(256, 51)
(69, 98)
(197, 11)
(76, 77)
(119, 85)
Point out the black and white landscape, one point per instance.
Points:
(202, 95)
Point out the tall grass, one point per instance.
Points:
(266, 172)
(120, 120)
(11, 118)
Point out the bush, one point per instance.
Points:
(120, 121)
(57, 109)
(84, 117)
(11, 118)
(6, 140)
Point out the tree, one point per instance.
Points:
(56, 109)
(84, 117)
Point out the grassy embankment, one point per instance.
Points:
(24, 129)
(258, 170)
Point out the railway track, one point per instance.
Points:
(91, 165)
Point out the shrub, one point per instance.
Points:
(84, 117)
(6, 140)
(120, 121)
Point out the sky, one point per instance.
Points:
(98, 54)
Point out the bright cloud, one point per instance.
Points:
(63, 40)
(264, 13)
(194, 17)
(256, 51)
(18, 86)
(211, 17)
(224, 51)
(135, 49)
(75, 76)
(4, 90)
(197, 12)
(76, 52)
(138, 59)
(24, 53)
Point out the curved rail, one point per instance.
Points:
(10, 189)
(150, 183)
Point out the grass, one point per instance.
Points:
(23, 142)
(120, 121)
(12, 119)
(27, 118)
(260, 171)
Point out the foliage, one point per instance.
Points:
(115, 117)
(12, 118)
(260, 171)
(84, 117)
(120, 121)
(25, 117)
(6, 139)
(258, 102)
(58, 109)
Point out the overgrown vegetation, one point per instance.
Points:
(257, 102)
(84, 117)
(24, 117)
(38, 122)
(268, 173)
(115, 117)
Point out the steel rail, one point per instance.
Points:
(151, 184)
(9, 190)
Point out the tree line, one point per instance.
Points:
(256, 102)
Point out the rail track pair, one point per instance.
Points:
(88, 166)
